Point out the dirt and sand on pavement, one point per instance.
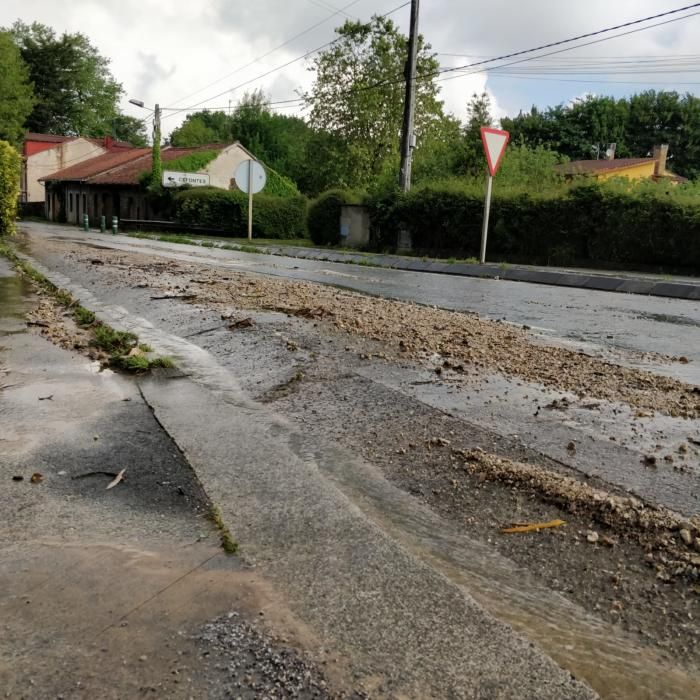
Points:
(462, 342)
(625, 560)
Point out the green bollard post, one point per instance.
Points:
(103, 224)
(86, 222)
(115, 225)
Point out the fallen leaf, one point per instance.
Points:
(532, 527)
(37, 478)
(119, 477)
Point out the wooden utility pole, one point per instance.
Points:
(407, 137)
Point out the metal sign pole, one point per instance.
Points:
(250, 199)
(487, 211)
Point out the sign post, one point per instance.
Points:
(251, 178)
(495, 142)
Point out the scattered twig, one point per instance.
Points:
(532, 527)
(43, 324)
(119, 477)
(176, 296)
(243, 323)
(95, 473)
(46, 398)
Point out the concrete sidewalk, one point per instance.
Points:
(631, 283)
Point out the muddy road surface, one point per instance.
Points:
(367, 455)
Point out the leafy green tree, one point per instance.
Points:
(441, 153)
(636, 124)
(358, 94)
(472, 151)
(194, 132)
(130, 129)
(16, 94)
(74, 88)
(10, 163)
(532, 169)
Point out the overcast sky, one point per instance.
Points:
(181, 53)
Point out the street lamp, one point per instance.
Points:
(157, 167)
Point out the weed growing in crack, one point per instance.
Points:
(112, 341)
(83, 316)
(229, 545)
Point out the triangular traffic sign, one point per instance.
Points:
(495, 142)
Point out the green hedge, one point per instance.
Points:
(10, 166)
(273, 217)
(614, 223)
(324, 216)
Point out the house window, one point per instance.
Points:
(94, 213)
(70, 202)
(84, 204)
(138, 212)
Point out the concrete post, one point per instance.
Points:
(115, 225)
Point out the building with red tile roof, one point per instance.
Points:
(43, 154)
(111, 184)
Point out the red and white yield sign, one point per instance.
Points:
(495, 142)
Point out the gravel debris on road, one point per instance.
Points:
(462, 342)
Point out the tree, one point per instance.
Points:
(193, 132)
(471, 151)
(75, 91)
(16, 94)
(10, 163)
(636, 124)
(130, 129)
(358, 93)
(278, 140)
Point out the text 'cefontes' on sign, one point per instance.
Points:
(173, 178)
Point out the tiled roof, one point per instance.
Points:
(583, 167)
(81, 172)
(123, 167)
(47, 138)
(130, 173)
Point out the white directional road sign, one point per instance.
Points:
(173, 178)
(250, 169)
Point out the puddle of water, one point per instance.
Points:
(594, 651)
(15, 296)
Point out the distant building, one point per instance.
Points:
(43, 154)
(111, 184)
(653, 168)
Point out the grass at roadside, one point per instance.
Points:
(123, 347)
(229, 545)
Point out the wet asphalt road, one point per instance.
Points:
(592, 320)
(273, 527)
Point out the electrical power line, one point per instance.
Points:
(277, 68)
(271, 51)
(551, 53)
(482, 65)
